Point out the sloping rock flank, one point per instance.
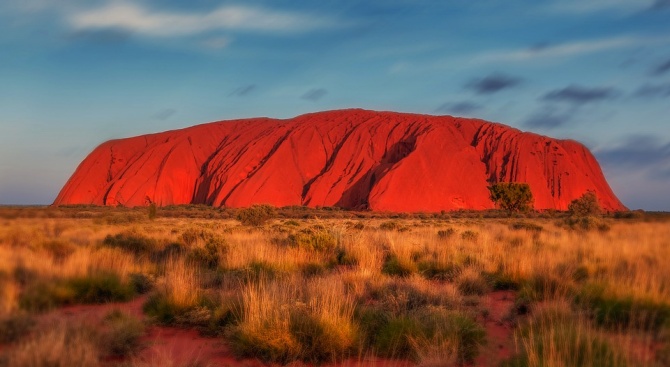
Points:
(354, 159)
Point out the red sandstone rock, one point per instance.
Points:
(351, 158)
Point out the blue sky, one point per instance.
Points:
(74, 73)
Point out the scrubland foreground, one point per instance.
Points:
(104, 287)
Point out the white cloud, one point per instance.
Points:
(137, 19)
(564, 50)
(553, 52)
(578, 7)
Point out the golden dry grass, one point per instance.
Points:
(59, 345)
(263, 281)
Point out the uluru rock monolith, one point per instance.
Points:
(355, 159)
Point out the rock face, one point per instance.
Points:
(355, 159)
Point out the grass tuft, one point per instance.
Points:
(121, 336)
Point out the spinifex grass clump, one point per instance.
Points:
(59, 345)
(207, 249)
(256, 215)
(133, 242)
(99, 287)
(313, 240)
(616, 312)
(121, 334)
(439, 270)
(398, 266)
(471, 282)
(285, 320)
(526, 226)
(554, 336)
(177, 293)
(409, 319)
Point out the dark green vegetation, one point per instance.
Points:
(586, 205)
(512, 196)
(95, 288)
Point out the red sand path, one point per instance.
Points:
(171, 346)
(499, 331)
(355, 159)
(183, 346)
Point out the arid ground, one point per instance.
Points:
(198, 286)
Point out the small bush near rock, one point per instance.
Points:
(256, 215)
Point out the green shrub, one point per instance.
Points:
(556, 339)
(190, 236)
(371, 320)
(395, 266)
(405, 336)
(160, 309)
(222, 316)
(122, 333)
(207, 256)
(472, 285)
(526, 226)
(313, 240)
(171, 250)
(471, 336)
(545, 286)
(436, 270)
(120, 218)
(95, 288)
(321, 340)
(394, 338)
(164, 312)
(100, 288)
(585, 206)
(342, 257)
(131, 242)
(586, 224)
(208, 313)
(446, 233)
(140, 283)
(615, 312)
(512, 196)
(629, 214)
(398, 297)
(501, 281)
(254, 271)
(43, 296)
(268, 344)
(256, 215)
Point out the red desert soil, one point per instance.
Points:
(182, 347)
(355, 159)
(499, 331)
